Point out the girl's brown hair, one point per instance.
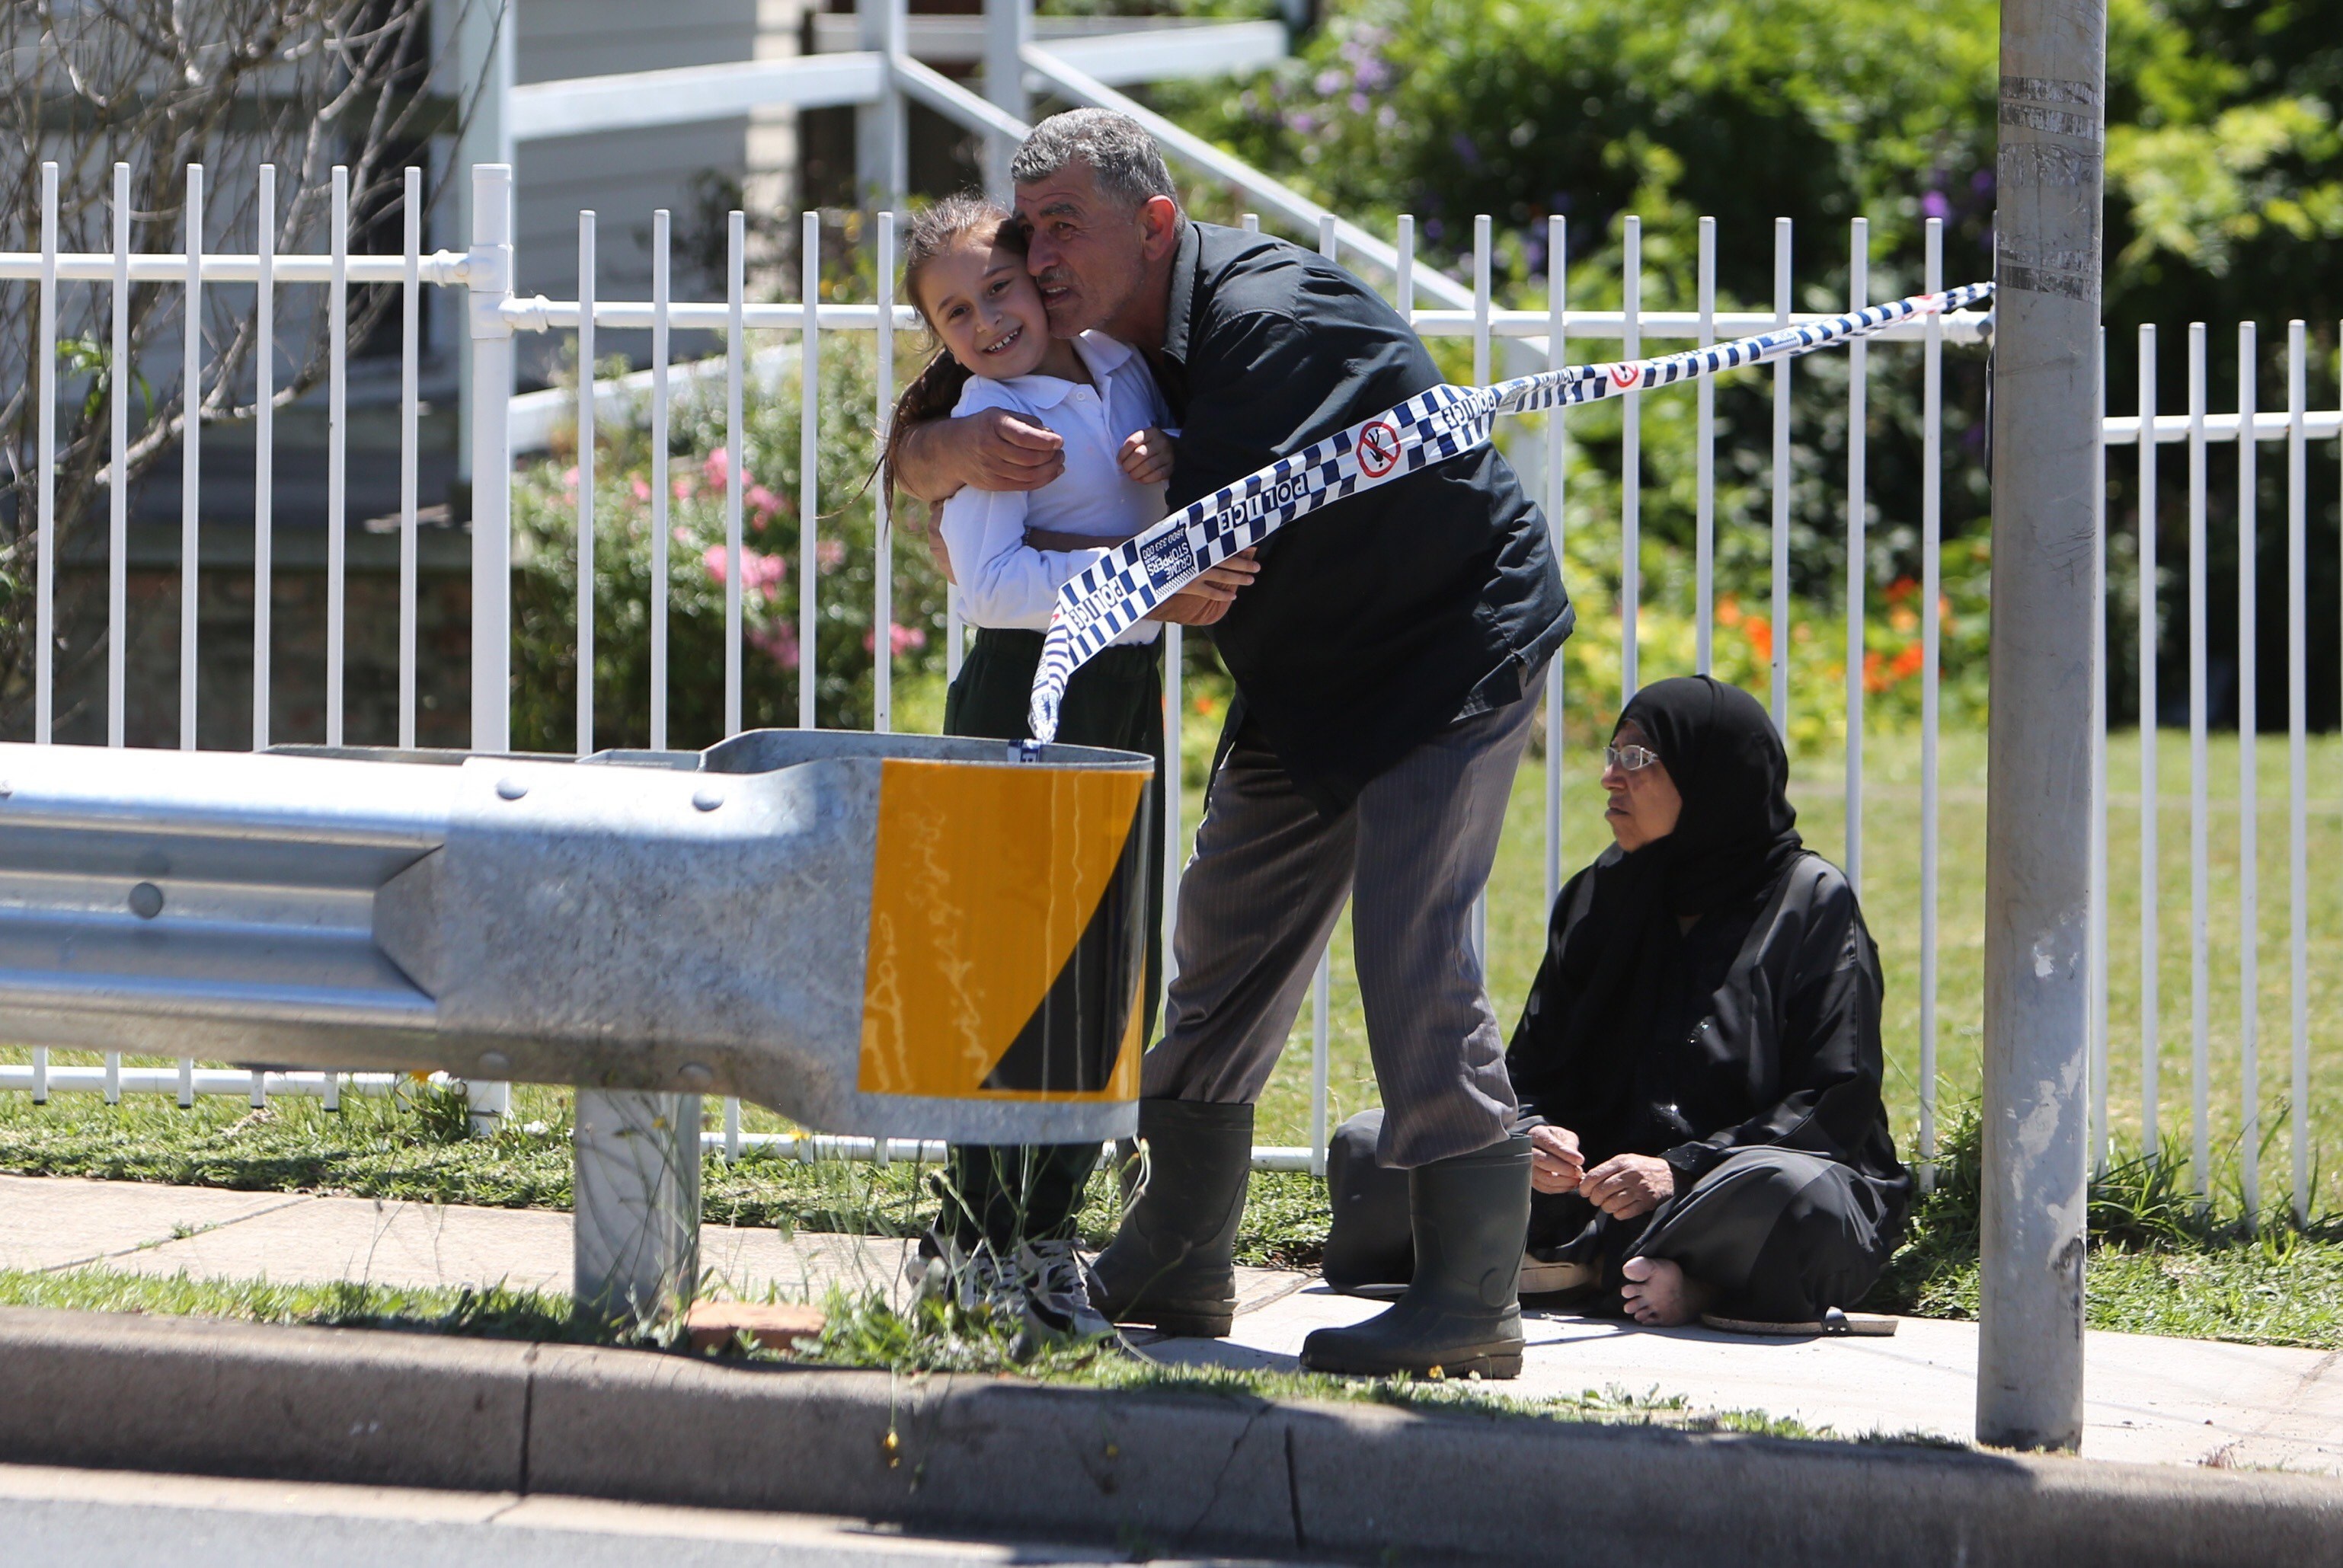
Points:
(934, 391)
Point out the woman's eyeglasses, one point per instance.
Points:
(1629, 758)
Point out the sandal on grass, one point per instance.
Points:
(1833, 1324)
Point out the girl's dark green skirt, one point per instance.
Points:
(1004, 1193)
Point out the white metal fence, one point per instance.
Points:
(496, 313)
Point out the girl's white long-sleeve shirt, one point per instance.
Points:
(1003, 581)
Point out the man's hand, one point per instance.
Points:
(1555, 1163)
(1146, 457)
(1626, 1185)
(993, 450)
(1207, 599)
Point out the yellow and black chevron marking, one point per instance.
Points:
(1008, 934)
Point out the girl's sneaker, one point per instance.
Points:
(1058, 1306)
(978, 1284)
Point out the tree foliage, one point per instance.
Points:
(2224, 202)
(2223, 179)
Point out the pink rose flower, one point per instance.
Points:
(900, 639)
(760, 573)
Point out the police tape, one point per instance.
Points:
(1113, 594)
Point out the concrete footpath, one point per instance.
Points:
(2151, 1400)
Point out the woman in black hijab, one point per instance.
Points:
(1698, 1064)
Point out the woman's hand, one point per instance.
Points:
(1555, 1163)
(1626, 1185)
(936, 550)
(1146, 457)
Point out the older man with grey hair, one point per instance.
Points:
(1385, 658)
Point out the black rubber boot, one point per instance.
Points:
(1462, 1313)
(1171, 1266)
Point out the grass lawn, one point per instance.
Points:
(1892, 901)
(2166, 1268)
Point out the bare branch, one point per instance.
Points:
(160, 83)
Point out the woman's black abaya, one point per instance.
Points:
(1712, 1000)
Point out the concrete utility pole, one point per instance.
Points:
(2038, 811)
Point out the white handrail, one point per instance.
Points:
(444, 267)
(688, 95)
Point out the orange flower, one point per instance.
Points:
(1760, 637)
(1879, 673)
(1904, 617)
(1728, 611)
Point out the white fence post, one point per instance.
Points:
(488, 277)
(264, 466)
(1859, 570)
(2151, 943)
(1932, 468)
(2250, 1001)
(45, 421)
(191, 381)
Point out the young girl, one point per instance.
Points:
(1004, 1241)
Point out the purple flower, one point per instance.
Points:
(1981, 182)
(1328, 83)
(1358, 103)
(1302, 123)
(1933, 205)
(1466, 150)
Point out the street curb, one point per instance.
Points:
(1156, 1471)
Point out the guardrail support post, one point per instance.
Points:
(2038, 799)
(880, 163)
(636, 1202)
(489, 276)
(1007, 29)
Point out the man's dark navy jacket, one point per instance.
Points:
(1383, 618)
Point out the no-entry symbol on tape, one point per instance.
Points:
(1377, 448)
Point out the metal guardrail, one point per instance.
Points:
(883, 935)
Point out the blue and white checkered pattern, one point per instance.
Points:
(1108, 598)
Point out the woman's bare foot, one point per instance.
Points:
(1660, 1295)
